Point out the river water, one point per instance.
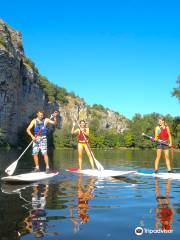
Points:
(73, 206)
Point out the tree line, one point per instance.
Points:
(130, 138)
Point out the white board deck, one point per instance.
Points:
(100, 174)
(29, 177)
(164, 175)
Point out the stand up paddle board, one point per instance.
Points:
(100, 174)
(29, 177)
(164, 175)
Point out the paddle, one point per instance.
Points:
(10, 170)
(158, 141)
(98, 165)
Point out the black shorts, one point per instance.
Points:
(162, 146)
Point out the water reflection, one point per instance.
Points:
(53, 207)
(36, 221)
(79, 213)
(164, 210)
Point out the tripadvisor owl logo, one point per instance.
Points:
(139, 231)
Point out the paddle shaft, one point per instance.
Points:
(98, 165)
(92, 154)
(158, 141)
(30, 144)
(87, 143)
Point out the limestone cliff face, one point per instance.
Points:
(21, 93)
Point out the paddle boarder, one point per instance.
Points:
(163, 135)
(39, 135)
(83, 138)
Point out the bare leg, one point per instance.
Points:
(80, 151)
(90, 157)
(36, 161)
(158, 156)
(46, 159)
(168, 163)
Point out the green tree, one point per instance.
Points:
(62, 138)
(176, 90)
(94, 125)
(128, 139)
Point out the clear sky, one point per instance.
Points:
(123, 54)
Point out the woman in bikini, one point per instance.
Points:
(83, 138)
(163, 135)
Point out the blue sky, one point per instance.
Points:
(123, 54)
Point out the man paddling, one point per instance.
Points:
(163, 135)
(39, 126)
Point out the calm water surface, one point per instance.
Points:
(78, 207)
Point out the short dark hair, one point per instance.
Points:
(40, 111)
(82, 120)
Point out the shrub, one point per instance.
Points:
(2, 41)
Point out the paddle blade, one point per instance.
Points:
(98, 165)
(10, 170)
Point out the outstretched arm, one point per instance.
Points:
(73, 131)
(54, 119)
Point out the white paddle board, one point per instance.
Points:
(164, 175)
(29, 177)
(100, 174)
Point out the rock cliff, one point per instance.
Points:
(22, 92)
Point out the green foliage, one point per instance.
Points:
(140, 124)
(20, 46)
(2, 41)
(97, 141)
(63, 138)
(176, 90)
(53, 92)
(98, 107)
(94, 125)
(31, 64)
(128, 139)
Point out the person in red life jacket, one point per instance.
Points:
(40, 142)
(83, 138)
(163, 135)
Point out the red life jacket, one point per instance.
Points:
(81, 138)
(163, 135)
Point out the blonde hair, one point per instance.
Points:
(164, 120)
